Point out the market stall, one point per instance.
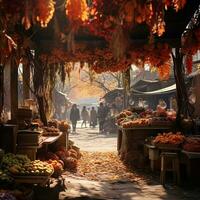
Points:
(34, 155)
(105, 37)
(135, 127)
(185, 150)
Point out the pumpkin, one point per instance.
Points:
(60, 154)
(64, 150)
(52, 156)
(58, 168)
(71, 163)
(62, 163)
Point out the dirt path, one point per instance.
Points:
(88, 139)
(102, 176)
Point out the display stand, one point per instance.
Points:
(190, 157)
(131, 143)
(31, 151)
(8, 137)
(39, 180)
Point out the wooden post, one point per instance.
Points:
(1, 88)
(26, 82)
(185, 109)
(126, 85)
(14, 89)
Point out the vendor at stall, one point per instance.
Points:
(162, 104)
(141, 103)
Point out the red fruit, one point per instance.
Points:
(71, 163)
(52, 156)
(61, 155)
(61, 162)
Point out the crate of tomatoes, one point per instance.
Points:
(169, 140)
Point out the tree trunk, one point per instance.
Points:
(42, 113)
(26, 82)
(185, 110)
(1, 88)
(38, 82)
(14, 88)
(126, 85)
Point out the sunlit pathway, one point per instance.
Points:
(88, 139)
(102, 176)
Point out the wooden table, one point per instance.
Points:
(46, 140)
(131, 143)
(155, 151)
(8, 137)
(153, 154)
(190, 157)
(31, 150)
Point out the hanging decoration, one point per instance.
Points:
(105, 16)
(44, 11)
(28, 12)
(119, 43)
(188, 63)
(26, 19)
(164, 71)
(77, 14)
(76, 11)
(149, 12)
(190, 46)
(6, 47)
(156, 56)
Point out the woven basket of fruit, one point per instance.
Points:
(34, 172)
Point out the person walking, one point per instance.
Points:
(93, 117)
(74, 116)
(84, 116)
(101, 116)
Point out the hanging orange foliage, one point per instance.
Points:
(190, 46)
(188, 63)
(77, 10)
(157, 56)
(191, 41)
(164, 71)
(105, 15)
(6, 47)
(44, 11)
(154, 55)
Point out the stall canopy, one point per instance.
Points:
(166, 90)
(110, 96)
(156, 87)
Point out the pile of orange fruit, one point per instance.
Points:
(169, 138)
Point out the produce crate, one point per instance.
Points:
(8, 138)
(30, 151)
(24, 113)
(160, 123)
(41, 180)
(168, 146)
(154, 154)
(28, 138)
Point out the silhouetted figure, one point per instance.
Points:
(84, 116)
(102, 112)
(93, 117)
(74, 116)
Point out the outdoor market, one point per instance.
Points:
(99, 99)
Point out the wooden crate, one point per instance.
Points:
(41, 180)
(28, 150)
(28, 138)
(8, 138)
(63, 140)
